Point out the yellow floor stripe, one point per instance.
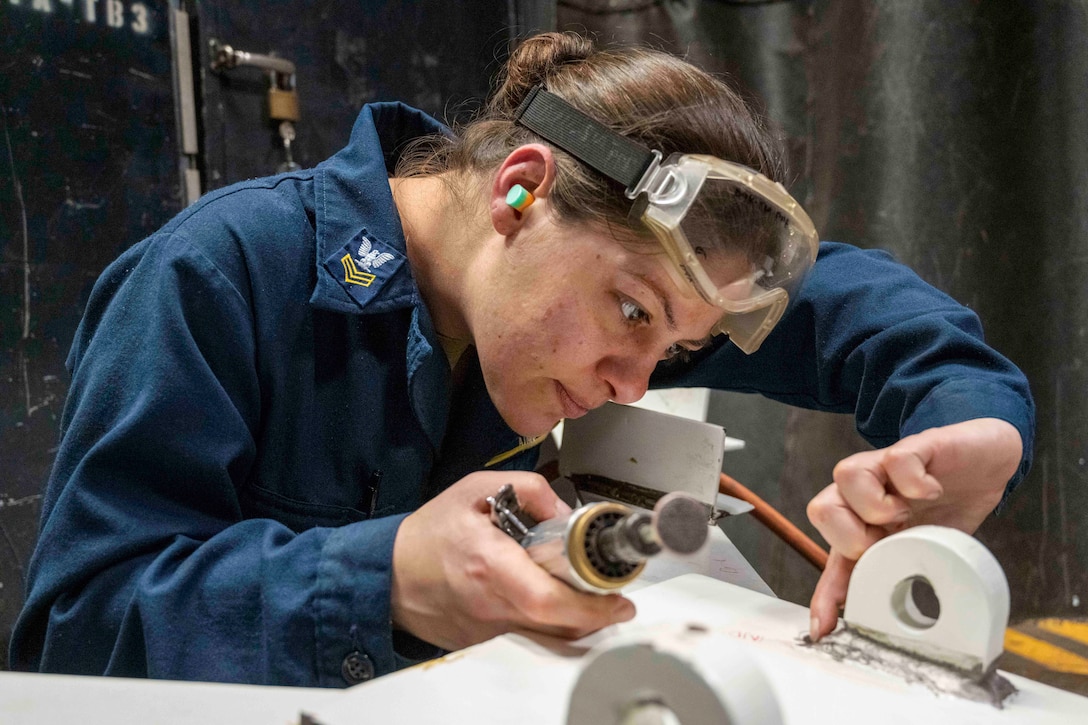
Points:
(1076, 631)
(1050, 656)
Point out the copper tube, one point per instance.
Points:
(776, 522)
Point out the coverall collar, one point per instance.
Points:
(356, 215)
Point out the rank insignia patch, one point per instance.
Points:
(362, 264)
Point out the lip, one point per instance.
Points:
(571, 407)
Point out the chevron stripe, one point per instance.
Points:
(352, 275)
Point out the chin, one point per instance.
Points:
(532, 431)
(524, 410)
(529, 426)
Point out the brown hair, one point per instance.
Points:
(661, 101)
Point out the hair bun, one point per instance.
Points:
(534, 61)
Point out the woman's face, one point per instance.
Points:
(566, 320)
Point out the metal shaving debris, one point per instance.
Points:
(848, 645)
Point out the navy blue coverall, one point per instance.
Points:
(247, 426)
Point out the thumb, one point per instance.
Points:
(830, 595)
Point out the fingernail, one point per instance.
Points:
(813, 629)
(561, 507)
(623, 611)
(934, 494)
(901, 516)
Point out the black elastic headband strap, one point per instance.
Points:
(590, 141)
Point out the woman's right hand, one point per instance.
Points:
(459, 580)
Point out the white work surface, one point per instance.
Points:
(36, 699)
(513, 679)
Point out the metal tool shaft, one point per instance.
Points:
(601, 547)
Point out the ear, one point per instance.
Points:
(532, 166)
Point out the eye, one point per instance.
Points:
(633, 313)
(683, 350)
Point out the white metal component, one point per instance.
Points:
(732, 505)
(515, 680)
(685, 402)
(688, 677)
(649, 449)
(967, 580)
(664, 452)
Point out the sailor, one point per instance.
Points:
(289, 405)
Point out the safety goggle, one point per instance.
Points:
(733, 236)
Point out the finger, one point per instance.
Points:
(570, 632)
(830, 595)
(534, 494)
(557, 604)
(840, 525)
(537, 497)
(573, 620)
(563, 632)
(907, 465)
(862, 482)
(538, 599)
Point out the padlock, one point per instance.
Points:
(283, 104)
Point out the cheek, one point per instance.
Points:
(557, 341)
(569, 331)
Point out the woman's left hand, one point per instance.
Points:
(950, 476)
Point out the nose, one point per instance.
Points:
(627, 375)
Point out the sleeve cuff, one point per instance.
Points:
(352, 617)
(956, 401)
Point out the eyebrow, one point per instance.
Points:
(699, 344)
(660, 294)
(670, 321)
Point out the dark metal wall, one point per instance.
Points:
(91, 157)
(437, 56)
(88, 164)
(953, 134)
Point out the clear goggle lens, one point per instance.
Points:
(734, 237)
